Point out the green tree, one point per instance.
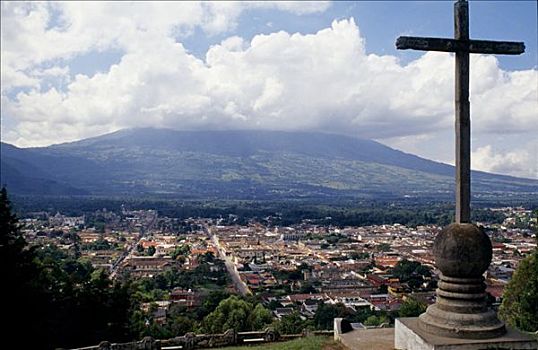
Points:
(151, 250)
(99, 244)
(230, 313)
(358, 256)
(12, 243)
(384, 247)
(325, 314)
(411, 272)
(519, 307)
(211, 301)
(178, 323)
(376, 320)
(291, 324)
(19, 275)
(99, 227)
(307, 287)
(55, 298)
(238, 314)
(274, 304)
(181, 251)
(259, 318)
(205, 258)
(411, 308)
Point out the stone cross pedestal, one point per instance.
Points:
(462, 254)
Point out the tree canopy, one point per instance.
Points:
(411, 272)
(520, 301)
(56, 299)
(238, 314)
(292, 324)
(411, 308)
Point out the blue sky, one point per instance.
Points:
(75, 70)
(381, 22)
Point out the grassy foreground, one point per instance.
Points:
(307, 343)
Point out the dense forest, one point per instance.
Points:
(344, 213)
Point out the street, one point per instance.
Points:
(240, 286)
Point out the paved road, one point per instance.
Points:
(127, 254)
(123, 256)
(240, 286)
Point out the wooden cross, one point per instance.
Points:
(462, 46)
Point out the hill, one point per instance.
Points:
(235, 164)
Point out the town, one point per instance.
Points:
(293, 270)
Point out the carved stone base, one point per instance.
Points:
(462, 253)
(409, 336)
(465, 326)
(461, 311)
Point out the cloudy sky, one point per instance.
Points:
(74, 70)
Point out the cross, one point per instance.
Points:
(462, 46)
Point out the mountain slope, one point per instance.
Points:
(246, 164)
(25, 173)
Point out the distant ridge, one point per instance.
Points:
(26, 173)
(234, 164)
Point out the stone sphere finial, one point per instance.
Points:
(462, 250)
(462, 253)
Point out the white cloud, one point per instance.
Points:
(38, 32)
(323, 81)
(518, 163)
